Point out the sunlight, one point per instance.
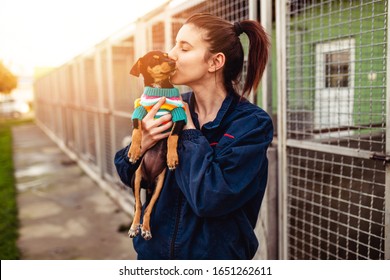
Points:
(48, 33)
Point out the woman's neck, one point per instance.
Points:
(208, 101)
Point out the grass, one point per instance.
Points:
(8, 206)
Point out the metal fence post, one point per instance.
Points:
(253, 7)
(282, 156)
(100, 147)
(387, 179)
(266, 84)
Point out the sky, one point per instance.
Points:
(47, 33)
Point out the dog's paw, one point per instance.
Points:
(134, 154)
(172, 167)
(133, 232)
(146, 234)
(172, 162)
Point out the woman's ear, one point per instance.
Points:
(217, 61)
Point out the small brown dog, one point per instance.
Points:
(156, 68)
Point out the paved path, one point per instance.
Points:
(63, 213)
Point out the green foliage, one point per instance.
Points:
(8, 81)
(8, 206)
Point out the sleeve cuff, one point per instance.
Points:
(190, 134)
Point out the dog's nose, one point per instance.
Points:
(172, 57)
(171, 63)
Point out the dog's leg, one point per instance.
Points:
(135, 226)
(172, 157)
(145, 229)
(135, 148)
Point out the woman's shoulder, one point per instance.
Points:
(247, 110)
(250, 118)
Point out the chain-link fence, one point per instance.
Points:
(333, 141)
(331, 75)
(86, 104)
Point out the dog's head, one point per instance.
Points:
(156, 67)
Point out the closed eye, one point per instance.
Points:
(184, 46)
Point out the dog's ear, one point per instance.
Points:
(136, 70)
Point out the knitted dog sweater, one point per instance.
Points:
(151, 96)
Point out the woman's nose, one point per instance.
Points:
(171, 54)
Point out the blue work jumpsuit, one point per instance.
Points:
(209, 204)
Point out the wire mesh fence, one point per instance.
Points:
(336, 127)
(86, 104)
(333, 137)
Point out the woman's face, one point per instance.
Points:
(190, 53)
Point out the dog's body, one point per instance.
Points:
(156, 69)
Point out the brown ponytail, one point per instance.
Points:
(224, 37)
(258, 53)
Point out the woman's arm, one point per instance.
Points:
(124, 168)
(221, 181)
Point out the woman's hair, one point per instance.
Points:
(223, 37)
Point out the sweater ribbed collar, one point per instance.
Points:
(167, 92)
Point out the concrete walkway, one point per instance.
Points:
(63, 213)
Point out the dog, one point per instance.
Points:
(156, 68)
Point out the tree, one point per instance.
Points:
(8, 81)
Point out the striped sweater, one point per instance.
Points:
(173, 104)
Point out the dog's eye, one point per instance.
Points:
(156, 57)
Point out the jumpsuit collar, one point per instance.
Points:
(220, 115)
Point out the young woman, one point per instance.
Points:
(209, 205)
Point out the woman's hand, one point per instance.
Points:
(153, 130)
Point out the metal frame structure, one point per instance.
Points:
(328, 194)
(387, 198)
(334, 181)
(86, 104)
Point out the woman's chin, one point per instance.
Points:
(174, 80)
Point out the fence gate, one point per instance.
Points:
(334, 146)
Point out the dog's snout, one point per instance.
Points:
(171, 63)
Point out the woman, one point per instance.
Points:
(209, 205)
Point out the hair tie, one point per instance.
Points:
(237, 28)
